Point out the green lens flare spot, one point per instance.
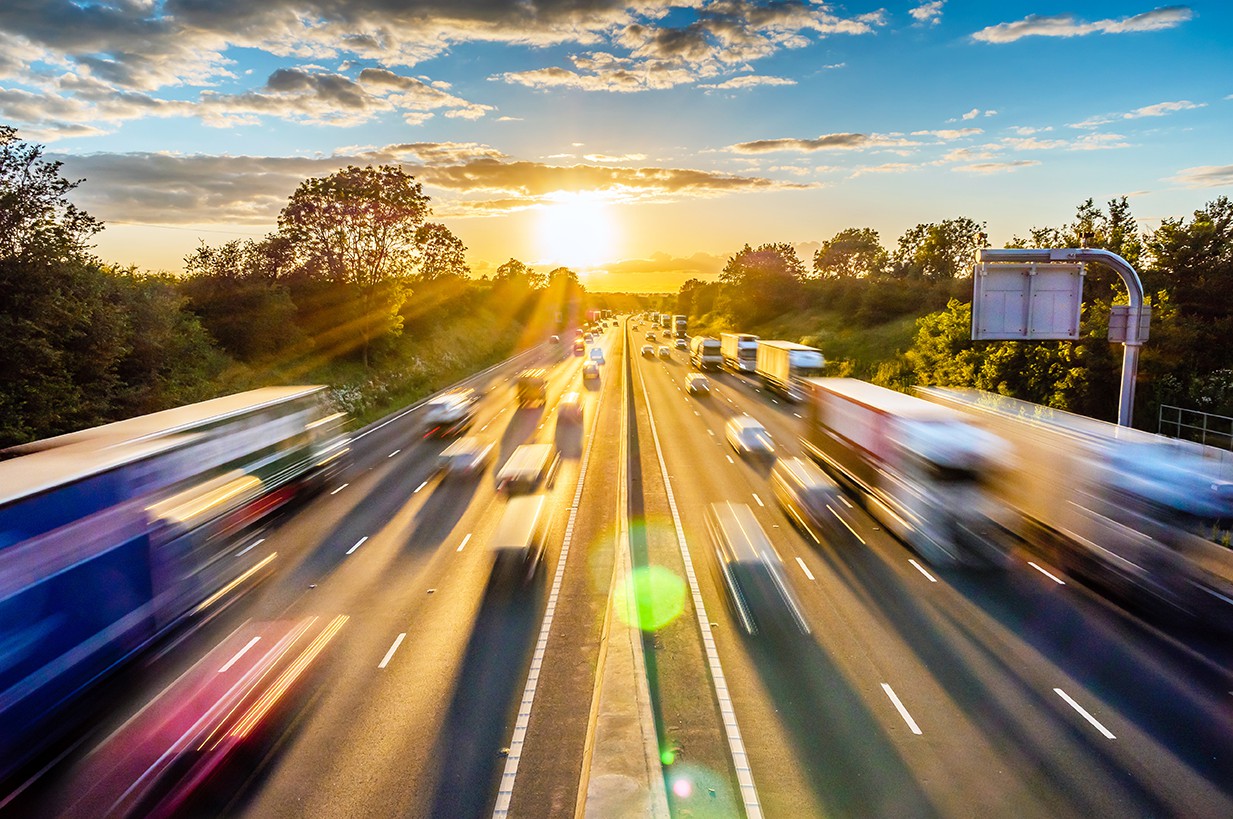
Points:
(650, 598)
(668, 756)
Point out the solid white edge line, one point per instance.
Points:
(505, 790)
(921, 569)
(464, 542)
(358, 544)
(1047, 574)
(239, 654)
(903, 712)
(736, 746)
(339, 489)
(805, 568)
(1083, 713)
(389, 655)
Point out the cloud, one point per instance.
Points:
(1067, 25)
(748, 81)
(612, 158)
(1159, 109)
(928, 14)
(996, 167)
(888, 167)
(974, 113)
(952, 133)
(1205, 176)
(841, 142)
(660, 273)
(463, 179)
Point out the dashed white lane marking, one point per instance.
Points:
(358, 544)
(736, 745)
(797, 414)
(418, 488)
(1047, 574)
(729, 457)
(759, 500)
(805, 569)
(250, 546)
(239, 654)
(462, 545)
(392, 454)
(846, 502)
(710, 432)
(921, 569)
(903, 712)
(339, 489)
(1083, 713)
(773, 401)
(389, 655)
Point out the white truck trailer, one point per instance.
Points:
(704, 353)
(921, 467)
(1130, 512)
(782, 365)
(739, 351)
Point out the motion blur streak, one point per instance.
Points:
(234, 584)
(289, 676)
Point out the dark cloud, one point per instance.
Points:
(842, 142)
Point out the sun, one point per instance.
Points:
(577, 230)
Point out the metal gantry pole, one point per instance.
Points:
(1123, 268)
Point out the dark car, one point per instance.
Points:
(753, 573)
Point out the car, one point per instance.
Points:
(554, 339)
(748, 437)
(465, 457)
(450, 414)
(597, 355)
(681, 344)
(697, 384)
(648, 351)
(650, 336)
(590, 370)
(752, 571)
(517, 545)
(528, 464)
(570, 408)
(580, 347)
(588, 338)
(664, 351)
(809, 496)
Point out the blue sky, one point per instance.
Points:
(640, 142)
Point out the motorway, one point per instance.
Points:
(918, 692)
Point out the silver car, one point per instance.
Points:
(753, 573)
(748, 437)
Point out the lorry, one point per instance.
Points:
(1131, 513)
(679, 324)
(921, 468)
(593, 316)
(739, 351)
(704, 353)
(532, 387)
(782, 365)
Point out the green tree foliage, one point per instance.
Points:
(358, 227)
(236, 292)
(944, 250)
(852, 253)
(83, 343)
(763, 282)
(442, 253)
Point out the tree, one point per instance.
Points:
(762, 283)
(37, 222)
(945, 250)
(358, 226)
(852, 253)
(516, 271)
(442, 253)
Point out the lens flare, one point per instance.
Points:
(650, 598)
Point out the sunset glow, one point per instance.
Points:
(577, 231)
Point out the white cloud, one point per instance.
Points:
(996, 167)
(1159, 109)
(951, 133)
(748, 81)
(841, 142)
(1067, 25)
(928, 14)
(887, 167)
(1205, 176)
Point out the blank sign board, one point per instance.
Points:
(1026, 302)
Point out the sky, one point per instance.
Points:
(639, 143)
